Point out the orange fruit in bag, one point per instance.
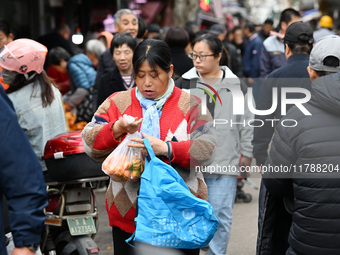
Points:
(142, 168)
(135, 175)
(123, 168)
(119, 171)
(127, 165)
(127, 174)
(107, 162)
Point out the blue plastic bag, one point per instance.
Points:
(169, 215)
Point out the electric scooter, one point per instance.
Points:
(71, 214)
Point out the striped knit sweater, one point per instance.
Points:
(190, 133)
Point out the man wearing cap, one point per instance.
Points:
(312, 148)
(234, 58)
(325, 28)
(298, 43)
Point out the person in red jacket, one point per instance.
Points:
(5, 38)
(57, 70)
(164, 114)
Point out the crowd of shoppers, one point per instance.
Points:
(160, 77)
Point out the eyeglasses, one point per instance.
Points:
(200, 57)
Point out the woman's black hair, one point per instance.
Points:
(249, 26)
(142, 27)
(177, 37)
(155, 52)
(123, 38)
(213, 42)
(45, 83)
(56, 54)
(4, 27)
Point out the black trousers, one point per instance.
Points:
(120, 247)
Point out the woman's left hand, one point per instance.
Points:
(68, 107)
(159, 147)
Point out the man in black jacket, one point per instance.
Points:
(121, 78)
(272, 215)
(308, 158)
(298, 45)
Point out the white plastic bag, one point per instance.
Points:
(125, 164)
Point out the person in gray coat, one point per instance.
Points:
(234, 131)
(307, 157)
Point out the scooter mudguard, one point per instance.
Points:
(83, 245)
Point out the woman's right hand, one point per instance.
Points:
(121, 126)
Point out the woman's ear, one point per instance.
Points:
(219, 57)
(10, 37)
(171, 72)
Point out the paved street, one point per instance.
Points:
(243, 231)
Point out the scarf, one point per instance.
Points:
(152, 110)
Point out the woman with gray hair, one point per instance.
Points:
(82, 74)
(94, 49)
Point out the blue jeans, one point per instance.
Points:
(221, 195)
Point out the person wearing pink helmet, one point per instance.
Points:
(36, 99)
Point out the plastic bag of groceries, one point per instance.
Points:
(125, 164)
